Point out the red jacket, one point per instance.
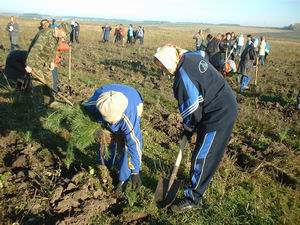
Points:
(62, 47)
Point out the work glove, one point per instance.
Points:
(187, 132)
(136, 181)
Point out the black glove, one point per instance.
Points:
(136, 181)
(187, 134)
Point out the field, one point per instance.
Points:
(48, 170)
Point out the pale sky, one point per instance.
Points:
(253, 12)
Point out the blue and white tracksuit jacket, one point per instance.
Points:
(208, 107)
(129, 126)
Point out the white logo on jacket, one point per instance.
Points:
(203, 66)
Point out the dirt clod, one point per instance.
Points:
(104, 176)
(57, 194)
(20, 162)
(70, 187)
(78, 178)
(66, 205)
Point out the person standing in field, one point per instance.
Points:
(53, 24)
(240, 44)
(130, 35)
(117, 35)
(267, 50)
(200, 42)
(13, 33)
(106, 32)
(119, 108)
(214, 53)
(74, 35)
(225, 47)
(248, 58)
(249, 40)
(40, 61)
(234, 45)
(140, 34)
(208, 107)
(255, 42)
(262, 50)
(122, 33)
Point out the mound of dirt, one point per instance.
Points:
(35, 189)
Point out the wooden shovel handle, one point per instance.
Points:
(182, 144)
(256, 71)
(70, 64)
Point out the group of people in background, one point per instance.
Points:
(224, 51)
(122, 36)
(13, 31)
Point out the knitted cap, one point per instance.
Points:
(112, 105)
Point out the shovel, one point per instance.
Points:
(70, 71)
(166, 190)
(255, 87)
(40, 79)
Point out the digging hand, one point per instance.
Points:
(136, 181)
(28, 69)
(188, 133)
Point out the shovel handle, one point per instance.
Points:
(70, 63)
(256, 71)
(40, 79)
(182, 144)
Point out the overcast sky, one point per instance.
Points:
(253, 12)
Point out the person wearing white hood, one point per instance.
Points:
(208, 107)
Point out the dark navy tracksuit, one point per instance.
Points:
(208, 107)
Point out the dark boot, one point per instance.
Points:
(184, 205)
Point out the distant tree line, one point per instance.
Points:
(294, 27)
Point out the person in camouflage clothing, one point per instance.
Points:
(40, 59)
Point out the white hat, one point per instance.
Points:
(169, 56)
(112, 105)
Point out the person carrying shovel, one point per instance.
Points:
(208, 108)
(40, 59)
(119, 108)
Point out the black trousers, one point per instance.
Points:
(209, 150)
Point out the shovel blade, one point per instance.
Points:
(162, 197)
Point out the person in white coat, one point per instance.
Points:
(262, 50)
(240, 44)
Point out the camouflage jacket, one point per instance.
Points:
(42, 52)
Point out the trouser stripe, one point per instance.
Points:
(200, 159)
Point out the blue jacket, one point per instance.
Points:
(129, 125)
(205, 100)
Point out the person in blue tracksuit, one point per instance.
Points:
(208, 107)
(119, 108)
